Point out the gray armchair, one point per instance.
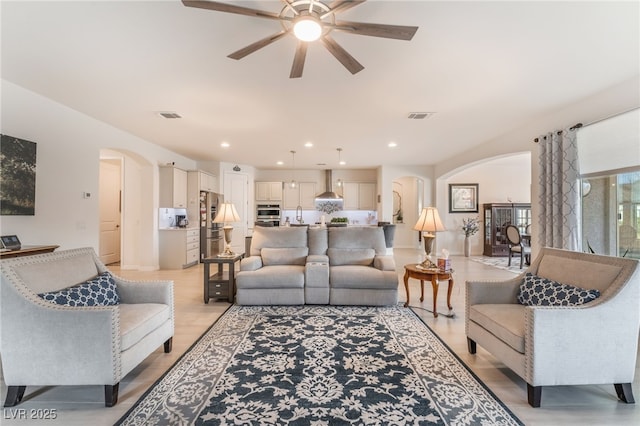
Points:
(583, 344)
(44, 343)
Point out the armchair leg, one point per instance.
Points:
(168, 345)
(471, 345)
(15, 394)
(625, 393)
(521, 258)
(534, 395)
(111, 395)
(509, 258)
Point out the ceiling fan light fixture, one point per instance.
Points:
(307, 28)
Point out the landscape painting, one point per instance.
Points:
(17, 176)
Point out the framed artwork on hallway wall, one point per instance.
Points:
(18, 181)
(463, 198)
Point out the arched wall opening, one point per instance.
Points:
(139, 243)
(500, 179)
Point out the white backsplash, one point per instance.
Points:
(356, 217)
(167, 217)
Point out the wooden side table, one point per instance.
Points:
(28, 251)
(222, 284)
(412, 271)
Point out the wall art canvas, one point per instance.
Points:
(17, 176)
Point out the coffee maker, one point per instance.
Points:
(181, 221)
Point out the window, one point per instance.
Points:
(611, 214)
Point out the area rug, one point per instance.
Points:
(501, 263)
(319, 365)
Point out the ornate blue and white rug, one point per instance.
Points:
(319, 365)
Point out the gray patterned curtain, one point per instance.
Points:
(559, 219)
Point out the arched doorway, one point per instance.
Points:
(138, 230)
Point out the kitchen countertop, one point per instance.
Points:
(176, 228)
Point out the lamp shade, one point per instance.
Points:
(429, 221)
(227, 213)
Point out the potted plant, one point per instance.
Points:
(469, 226)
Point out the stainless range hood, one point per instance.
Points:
(329, 195)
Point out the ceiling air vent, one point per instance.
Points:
(169, 114)
(420, 115)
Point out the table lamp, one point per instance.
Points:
(428, 223)
(227, 213)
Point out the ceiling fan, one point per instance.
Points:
(310, 20)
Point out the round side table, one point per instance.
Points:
(413, 271)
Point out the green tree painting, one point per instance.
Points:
(17, 176)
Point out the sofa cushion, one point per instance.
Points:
(351, 256)
(99, 291)
(284, 256)
(277, 276)
(540, 291)
(75, 268)
(277, 237)
(505, 321)
(139, 319)
(364, 277)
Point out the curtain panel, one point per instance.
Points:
(559, 222)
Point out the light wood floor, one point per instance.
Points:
(562, 405)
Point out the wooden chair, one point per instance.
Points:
(514, 241)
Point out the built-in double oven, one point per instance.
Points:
(268, 214)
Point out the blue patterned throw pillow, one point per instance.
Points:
(99, 291)
(539, 291)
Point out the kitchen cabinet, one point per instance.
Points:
(359, 195)
(203, 181)
(303, 195)
(179, 248)
(173, 187)
(496, 218)
(268, 191)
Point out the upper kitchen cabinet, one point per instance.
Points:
(359, 196)
(302, 195)
(203, 180)
(268, 191)
(173, 187)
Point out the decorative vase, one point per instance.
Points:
(467, 246)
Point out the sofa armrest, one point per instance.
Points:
(64, 338)
(318, 258)
(566, 344)
(251, 263)
(490, 292)
(145, 291)
(384, 263)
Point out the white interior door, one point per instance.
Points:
(236, 191)
(110, 210)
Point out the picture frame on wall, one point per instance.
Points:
(463, 198)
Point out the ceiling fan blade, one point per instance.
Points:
(230, 8)
(298, 60)
(398, 32)
(342, 55)
(338, 6)
(239, 54)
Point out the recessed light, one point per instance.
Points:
(225, 144)
(280, 163)
(308, 144)
(392, 145)
(342, 163)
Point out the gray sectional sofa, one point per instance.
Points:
(317, 265)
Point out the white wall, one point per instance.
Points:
(68, 156)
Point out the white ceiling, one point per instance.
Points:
(484, 67)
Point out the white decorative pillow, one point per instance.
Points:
(99, 291)
(539, 291)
